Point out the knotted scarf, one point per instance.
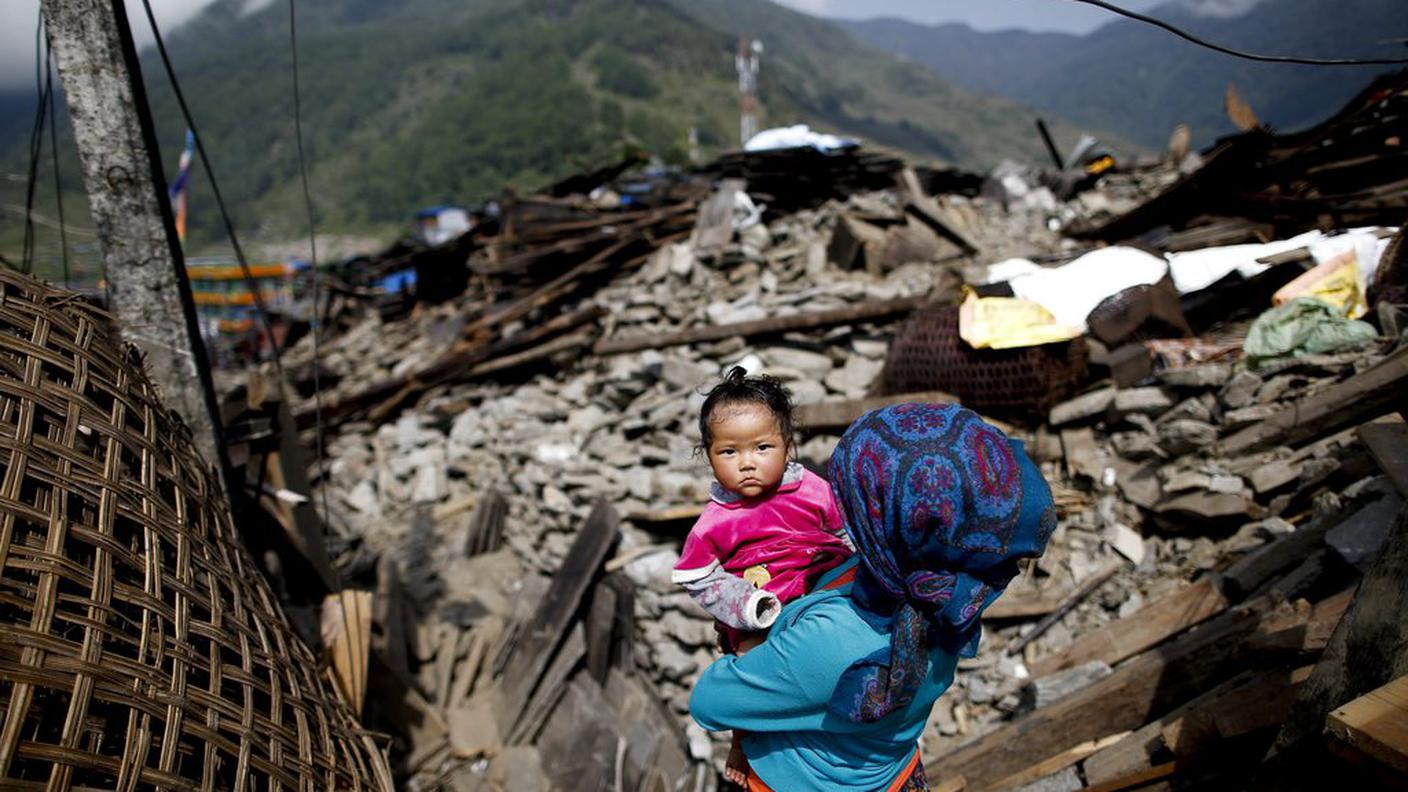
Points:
(940, 506)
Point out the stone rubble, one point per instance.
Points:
(624, 428)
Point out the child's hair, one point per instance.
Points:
(739, 388)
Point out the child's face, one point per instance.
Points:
(747, 450)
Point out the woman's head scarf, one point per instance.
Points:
(941, 506)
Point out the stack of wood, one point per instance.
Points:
(544, 698)
(1232, 681)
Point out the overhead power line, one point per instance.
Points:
(1183, 34)
(249, 280)
(316, 320)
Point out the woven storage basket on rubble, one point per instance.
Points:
(928, 354)
(139, 646)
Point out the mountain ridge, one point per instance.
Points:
(421, 102)
(1140, 82)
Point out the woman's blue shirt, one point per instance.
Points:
(778, 693)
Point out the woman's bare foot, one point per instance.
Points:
(736, 767)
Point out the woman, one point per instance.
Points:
(940, 506)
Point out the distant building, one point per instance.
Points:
(437, 225)
(228, 313)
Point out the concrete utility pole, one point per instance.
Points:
(145, 270)
(746, 62)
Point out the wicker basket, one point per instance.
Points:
(139, 646)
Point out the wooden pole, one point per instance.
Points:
(145, 271)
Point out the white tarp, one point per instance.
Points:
(1072, 291)
(1198, 269)
(797, 136)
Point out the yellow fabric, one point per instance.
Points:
(1336, 282)
(1008, 322)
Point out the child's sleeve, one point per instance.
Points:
(728, 598)
(831, 519)
(734, 601)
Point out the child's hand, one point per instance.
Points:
(747, 642)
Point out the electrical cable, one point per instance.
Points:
(315, 321)
(54, 152)
(36, 148)
(1183, 34)
(249, 281)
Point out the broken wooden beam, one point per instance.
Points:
(927, 211)
(1365, 395)
(1053, 764)
(1249, 572)
(1149, 626)
(528, 659)
(1368, 649)
(859, 312)
(1387, 442)
(1138, 690)
(1376, 724)
(347, 632)
(1183, 731)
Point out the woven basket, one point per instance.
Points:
(139, 646)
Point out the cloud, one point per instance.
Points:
(18, 19)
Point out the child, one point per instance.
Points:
(771, 527)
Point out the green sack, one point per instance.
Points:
(1303, 326)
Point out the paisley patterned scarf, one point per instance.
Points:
(940, 505)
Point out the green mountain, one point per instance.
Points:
(408, 103)
(1140, 82)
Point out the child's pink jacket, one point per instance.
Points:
(795, 533)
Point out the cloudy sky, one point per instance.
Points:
(18, 17)
(1063, 15)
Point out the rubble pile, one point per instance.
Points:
(1220, 497)
(1247, 502)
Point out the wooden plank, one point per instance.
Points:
(1260, 565)
(550, 690)
(1250, 701)
(486, 524)
(529, 656)
(623, 627)
(832, 415)
(601, 616)
(1135, 780)
(288, 468)
(1141, 688)
(347, 632)
(927, 211)
(1092, 583)
(859, 312)
(1368, 649)
(1376, 723)
(1054, 764)
(1388, 445)
(1149, 626)
(1257, 705)
(1363, 396)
